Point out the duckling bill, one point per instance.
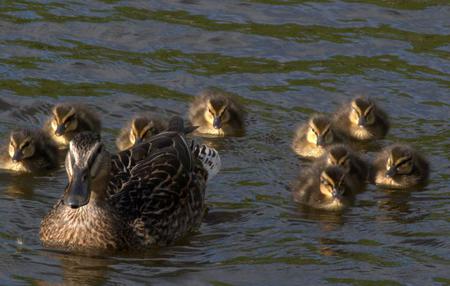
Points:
(400, 166)
(324, 188)
(362, 120)
(312, 139)
(30, 151)
(69, 119)
(217, 113)
(150, 195)
(139, 130)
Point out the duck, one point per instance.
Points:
(326, 188)
(400, 166)
(362, 120)
(217, 113)
(30, 151)
(150, 195)
(69, 119)
(342, 155)
(140, 129)
(312, 138)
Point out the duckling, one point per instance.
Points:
(400, 166)
(362, 120)
(150, 195)
(218, 114)
(139, 130)
(312, 138)
(30, 151)
(69, 119)
(326, 188)
(354, 165)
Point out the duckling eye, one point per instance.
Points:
(25, 145)
(210, 111)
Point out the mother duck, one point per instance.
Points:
(150, 195)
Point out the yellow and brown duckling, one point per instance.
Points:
(400, 166)
(69, 119)
(326, 188)
(217, 113)
(150, 195)
(344, 156)
(312, 138)
(362, 120)
(30, 151)
(139, 130)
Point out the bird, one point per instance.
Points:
(149, 195)
(362, 120)
(217, 113)
(342, 155)
(400, 166)
(140, 129)
(30, 151)
(327, 188)
(312, 138)
(69, 119)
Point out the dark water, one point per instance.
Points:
(286, 60)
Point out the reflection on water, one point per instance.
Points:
(285, 60)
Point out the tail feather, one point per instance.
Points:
(176, 123)
(209, 157)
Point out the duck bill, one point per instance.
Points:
(391, 172)
(138, 141)
(77, 193)
(337, 194)
(17, 157)
(217, 123)
(362, 121)
(60, 129)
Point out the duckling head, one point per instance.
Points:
(362, 112)
(64, 119)
(400, 161)
(332, 183)
(319, 131)
(88, 167)
(141, 129)
(22, 145)
(339, 155)
(217, 113)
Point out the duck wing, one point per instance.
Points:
(159, 187)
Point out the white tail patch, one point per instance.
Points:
(209, 157)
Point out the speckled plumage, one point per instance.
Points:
(155, 195)
(44, 157)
